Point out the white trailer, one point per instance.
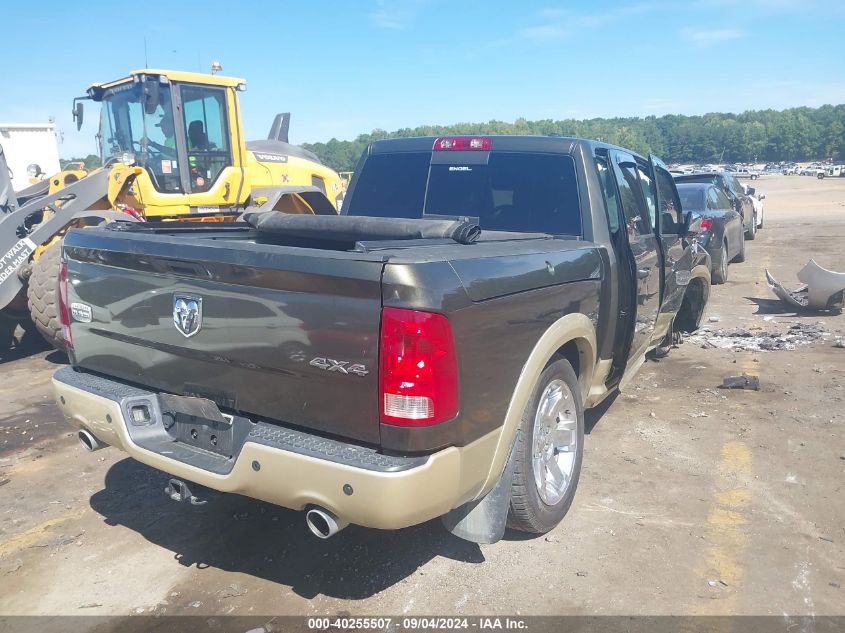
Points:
(26, 144)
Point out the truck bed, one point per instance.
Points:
(275, 316)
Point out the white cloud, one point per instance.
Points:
(396, 14)
(708, 37)
(556, 24)
(543, 33)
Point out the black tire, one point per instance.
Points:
(43, 296)
(8, 325)
(528, 512)
(740, 257)
(751, 231)
(719, 274)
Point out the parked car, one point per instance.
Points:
(789, 171)
(757, 199)
(812, 170)
(445, 368)
(732, 188)
(720, 229)
(745, 172)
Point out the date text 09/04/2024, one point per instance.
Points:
(417, 623)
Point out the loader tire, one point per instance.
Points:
(43, 296)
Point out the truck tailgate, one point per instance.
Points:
(281, 333)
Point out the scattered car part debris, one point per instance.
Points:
(822, 289)
(758, 340)
(750, 383)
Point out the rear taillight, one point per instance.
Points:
(418, 369)
(481, 143)
(64, 306)
(706, 224)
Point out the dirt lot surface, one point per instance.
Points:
(693, 499)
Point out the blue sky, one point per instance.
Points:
(343, 68)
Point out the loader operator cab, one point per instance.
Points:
(177, 131)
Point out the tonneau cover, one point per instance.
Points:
(344, 228)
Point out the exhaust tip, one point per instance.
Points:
(88, 441)
(322, 523)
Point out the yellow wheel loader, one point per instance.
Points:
(172, 148)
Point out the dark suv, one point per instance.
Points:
(728, 183)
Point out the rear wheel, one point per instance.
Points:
(43, 296)
(720, 271)
(549, 450)
(751, 231)
(740, 257)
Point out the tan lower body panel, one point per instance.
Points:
(380, 500)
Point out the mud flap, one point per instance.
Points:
(484, 520)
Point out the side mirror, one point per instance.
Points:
(78, 113)
(762, 196)
(151, 97)
(751, 191)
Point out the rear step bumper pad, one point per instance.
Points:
(280, 465)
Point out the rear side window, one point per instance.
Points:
(391, 186)
(649, 194)
(670, 205)
(722, 201)
(609, 192)
(633, 203)
(514, 191)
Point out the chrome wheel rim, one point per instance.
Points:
(555, 442)
(724, 262)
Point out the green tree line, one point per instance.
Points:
(92, 161)
(794, 134)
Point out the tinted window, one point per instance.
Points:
(649, 194)
(712, 199)
(636, 213)
(391, 186)
(733, 185)
(608, 191)
(670, 204)
(692, 198)
(722, 201)
(512, 192)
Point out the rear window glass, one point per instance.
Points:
(391, 186)
(514, 191)
(692, 198)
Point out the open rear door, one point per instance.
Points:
(676, 260)
(637, 195)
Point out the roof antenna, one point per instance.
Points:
(146, 61)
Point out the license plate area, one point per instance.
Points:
(210, 435)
